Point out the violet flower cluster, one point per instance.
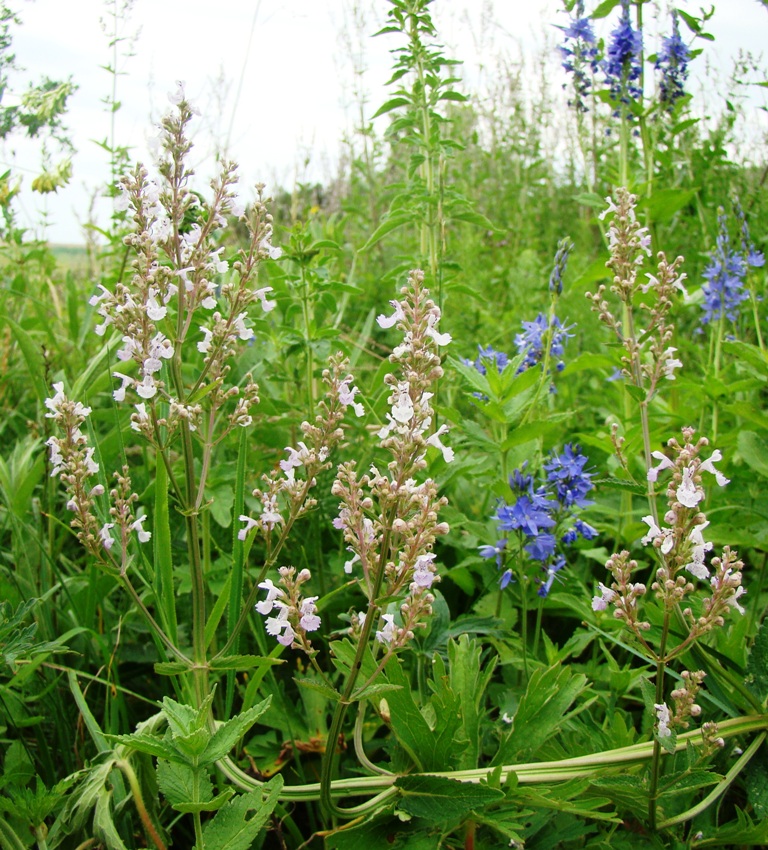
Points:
(544, 516)
(623, 64)
(726, 273)
(580, 56)
(672, 62)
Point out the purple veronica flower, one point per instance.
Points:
(486, 355)
(754, 258)
(566, 472)
(531, 341)
(529, 514)
(672, 61)
(724, 290)
(622, 67)
(579, 52)
(552, 571)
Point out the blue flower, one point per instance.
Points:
(753, 258)
(486, 355)
(579, 52)
(531, 341)
(672, 61)
(542, 547)
(623, 68)
(552, 571)
(529, 514)
(724, 290)
(496, 551)
(566, 472)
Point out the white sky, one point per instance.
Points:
(294, 65)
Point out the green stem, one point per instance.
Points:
(656, 758)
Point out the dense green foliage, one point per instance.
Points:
(517, 601)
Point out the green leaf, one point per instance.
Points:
(664, 203)
(604, 9)
(151, 745)
(237, 825)
(390, 223)
(180, 783)
(542, 712)
(317, 685)
(754, 450)
(103, 822)
(757, 664)
(244, 662)
(230, 732)
(438, 799)
(747, 353)
(34, 358)
(388, 106)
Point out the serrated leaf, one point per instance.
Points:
(237, 825)
(230, 732)
(181, 784)
(149, 744)
(543, 709)
(244, 662)
(437, 799)
(317, 685)
(171, 668)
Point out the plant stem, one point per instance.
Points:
(656, 758)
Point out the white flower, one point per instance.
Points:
(296, 457)
(119, 393)
(147, 388)
(397, 316)
(347, 398)
(671, 363)
(266, 305)
(402, 406)
(664, 463)
(106, 538)
(249, 524)
(273, 594)
(732, 600)
(386, 634)
(273, 252)
(600, 603)
(155, 311)
(138, 527)
(177, 95)
(440, 339)
(205, 345)
(140, 418)
(309, 621)
(696, 566)
(708, 466)
(688, 493)
(423, 576)
(220, 265)
(434, 440)
(351, 562)
(664, 719)
(243, 332)
(653, 530)
(270, 516)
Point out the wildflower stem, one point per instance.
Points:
(720, 788)
(656, 757)
(126, 768)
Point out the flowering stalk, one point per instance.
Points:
(390, 521)
(649, 357)
(681, 548)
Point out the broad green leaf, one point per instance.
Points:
(442, 800)
(317, 685)
(230, 732)
(151, 745)
(754, 450)
(664, 203)
(389, 224)
(543, 710)
(103, 822)
(237, 825)
(388, 106)
(181, 783)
